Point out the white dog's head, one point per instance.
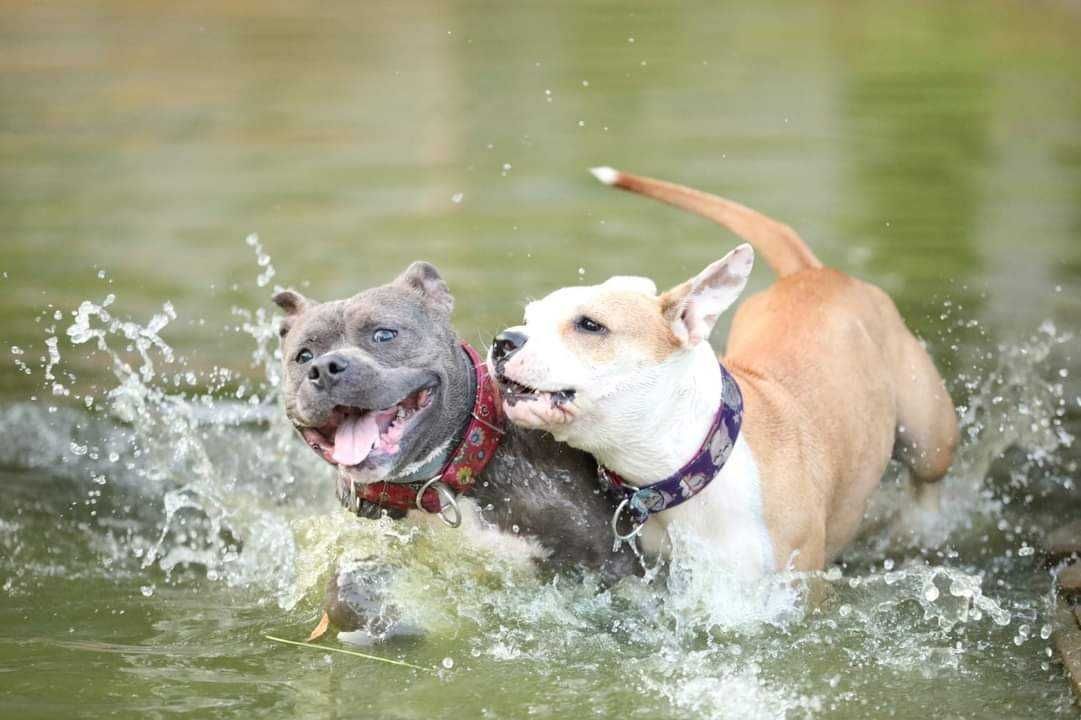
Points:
(588, 360)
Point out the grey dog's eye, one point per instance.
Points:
(589, 325)
(383, 335)
(305, 355)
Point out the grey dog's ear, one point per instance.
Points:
(293, 303)
(290, 301)
(423, 278)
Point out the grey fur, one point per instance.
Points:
(425, 352)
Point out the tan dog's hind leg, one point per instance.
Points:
(928, 496)
(927, 433)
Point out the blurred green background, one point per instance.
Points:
(933, 148)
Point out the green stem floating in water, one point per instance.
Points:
(348, 652)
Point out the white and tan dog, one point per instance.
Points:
(833, 384)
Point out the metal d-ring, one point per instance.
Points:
(615, 524)
(444, 493)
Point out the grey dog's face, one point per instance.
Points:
(366, 378)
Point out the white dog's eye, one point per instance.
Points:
(305, 355)
(383, 335)
(589, 325)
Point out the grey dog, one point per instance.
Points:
(381, 387)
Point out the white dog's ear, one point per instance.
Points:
(692, 308)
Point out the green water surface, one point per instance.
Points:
(931, 148)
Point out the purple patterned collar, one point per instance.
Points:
(689, 480)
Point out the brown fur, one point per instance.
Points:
(833, 385)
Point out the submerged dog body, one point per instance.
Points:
(380, 386)
(833, 384)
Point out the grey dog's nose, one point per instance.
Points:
(506, 344)
(326, 370)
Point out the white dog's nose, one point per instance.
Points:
(506, 344)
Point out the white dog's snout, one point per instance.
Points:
(508, 342)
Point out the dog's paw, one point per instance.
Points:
(359, 604)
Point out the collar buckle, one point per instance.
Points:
(447, 501)
(636, 527)
(347, 493)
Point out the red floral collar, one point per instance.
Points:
(475, 449)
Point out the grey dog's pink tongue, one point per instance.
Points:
(355, 438)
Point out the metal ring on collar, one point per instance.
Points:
(347, 493)
(615, 523)
(454, 518)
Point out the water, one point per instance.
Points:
(159, 519)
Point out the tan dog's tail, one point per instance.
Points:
(779, 244)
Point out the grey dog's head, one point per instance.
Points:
(373, 382)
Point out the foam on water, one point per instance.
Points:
(207, 481)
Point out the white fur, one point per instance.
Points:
(727, 515)
(676, 402)
(415, 466)
(607, 175)
(611, 397)
(630, 283)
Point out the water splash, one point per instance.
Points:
(1013, 404)
(218, 469)
(1014, 401)
(262, 259)
(203, 488)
